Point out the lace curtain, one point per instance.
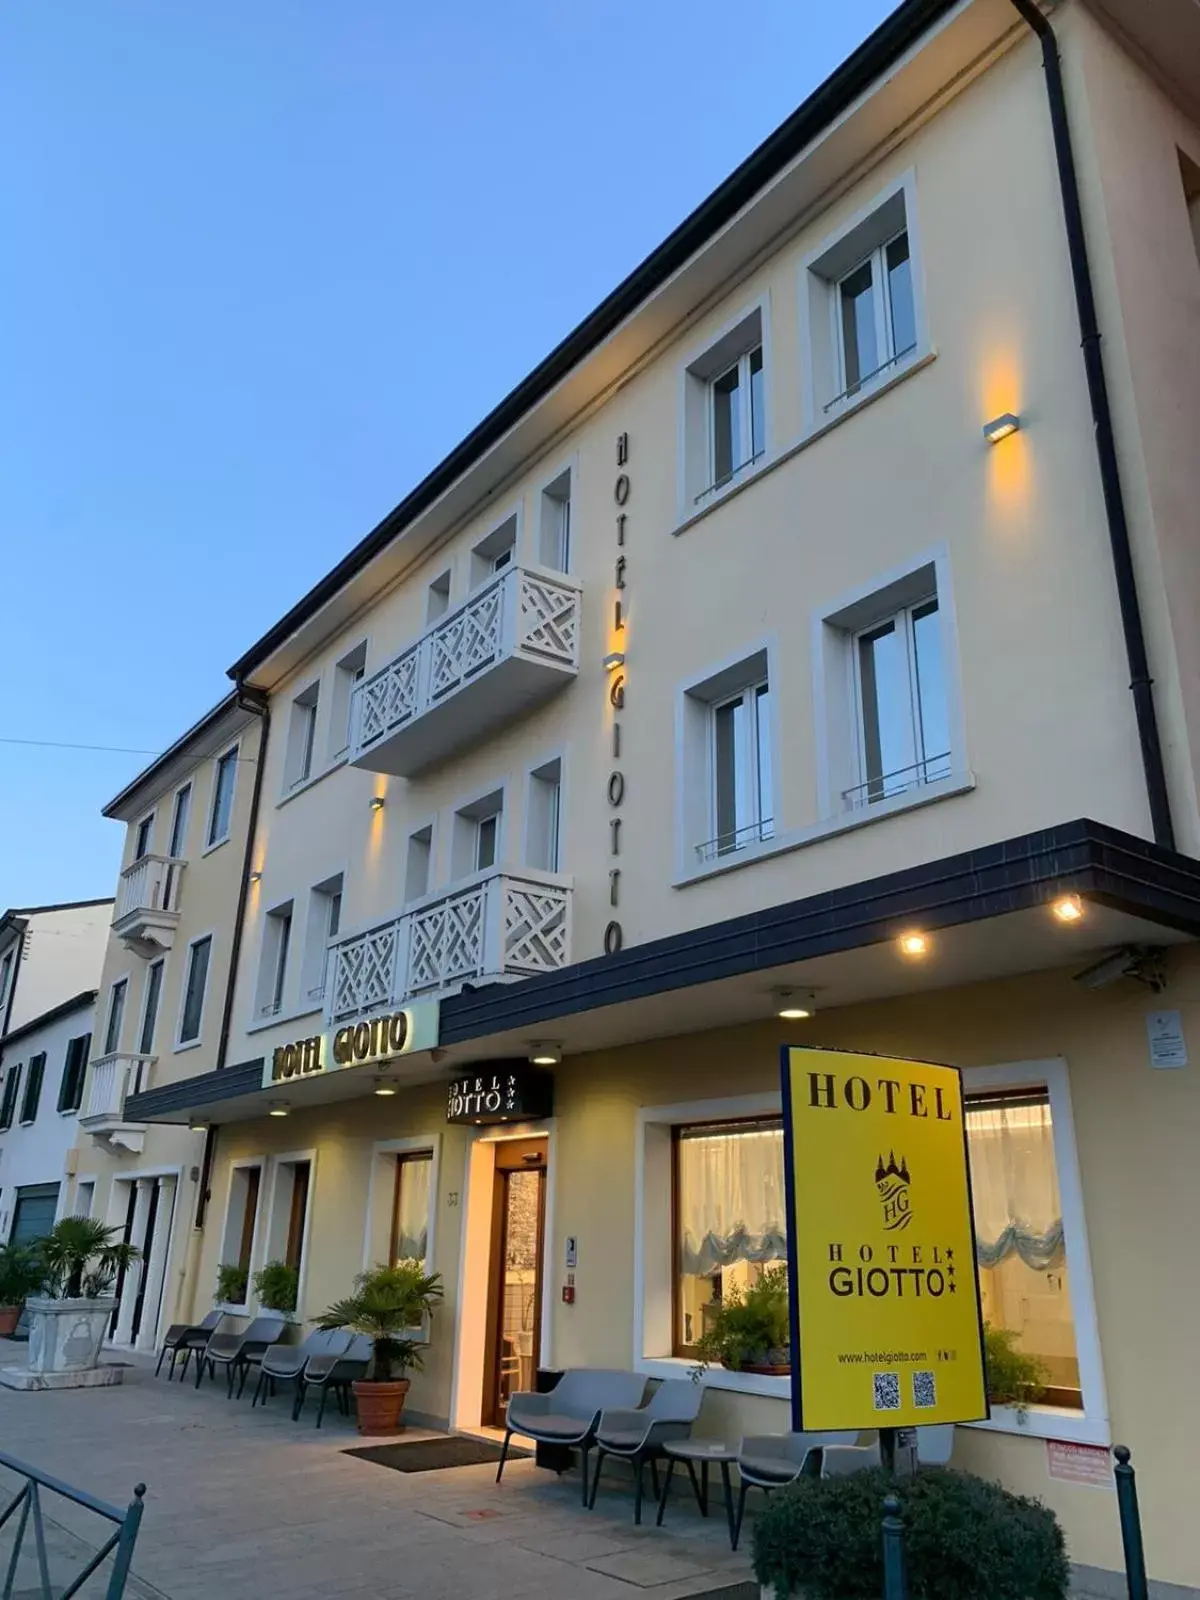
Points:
(1015, 1185)
(731, 1202)
(412, 1211)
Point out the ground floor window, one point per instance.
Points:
(410, 1207)
(297, 1213)
(728, 1209)
(237, 1244)
(1020, 1239)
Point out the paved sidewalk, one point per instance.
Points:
(245, 1505)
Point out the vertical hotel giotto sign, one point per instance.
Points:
(886, 1322)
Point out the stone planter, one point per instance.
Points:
(66, 1335)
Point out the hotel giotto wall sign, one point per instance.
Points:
(358, 1044)
(500, 1091)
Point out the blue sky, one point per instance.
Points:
(264, 265)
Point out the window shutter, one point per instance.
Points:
(70, 1092)
(33, 1087)
(9, 1101)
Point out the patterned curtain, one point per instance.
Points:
(412, 1211)
(731, 1202)
(1015, 1185)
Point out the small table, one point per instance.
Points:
(704, 1451)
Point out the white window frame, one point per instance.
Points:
(161, 963)
(124, 978)
(436, 590)
(728, 345)
(836, 628)
(495, 545)
(428, 825)
(534, 775)
(137, 829)
(465, 816)
(89, 1179)
(243, 1164)
(188, 790)
(551, 539)
(211, 842)
(903, 619)
(262, 1245)
(749, 753)
(348, 672)
(381, 1188)
(300, 746)
(890, 212)
(696, 702)
(318, 941)
(181, 1043)
(271, 980)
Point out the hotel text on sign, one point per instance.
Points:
(886, 1326)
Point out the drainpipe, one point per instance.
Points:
(256, 701)
(1141, 683)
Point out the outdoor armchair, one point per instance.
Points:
(333, 1371)
(839, 1461)
(287, 1361)
(569, 1413)
(232, 1350)
(182, 1338)
(637, 1436)
(770, 1460)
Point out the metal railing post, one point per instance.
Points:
(1131, 1525)
(894, 1587)
(123, 1555)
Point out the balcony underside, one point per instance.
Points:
(147, 932)
(117, 1131)
(502, 693)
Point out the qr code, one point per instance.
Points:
(887, 1391)
(924, 1389)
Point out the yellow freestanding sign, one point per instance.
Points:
(886, 1321)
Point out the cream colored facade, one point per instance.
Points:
(178, 889)
(464, 666)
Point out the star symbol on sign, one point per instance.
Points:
(953, 1288)
(949, 1254)
(949, 1272)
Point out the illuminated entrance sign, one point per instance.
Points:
(886, 1321)
(501, 1091)
(358, 1044)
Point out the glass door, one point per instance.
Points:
(515, 1297)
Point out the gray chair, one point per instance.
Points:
(232, 1350)
(772, 1460)
(638, 1436)
(569, 1413)
(286, 1362)
(839, 1461)
(182, 1338)
(333, 1373)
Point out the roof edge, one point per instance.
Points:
(77, 1002)
(172, 753)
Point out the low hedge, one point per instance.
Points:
(964, 1538)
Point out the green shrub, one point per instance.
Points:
(1013, 1378)
(276, 1286)
(750, 1326)
(964, 1538)
(21, 1273)
(232, 1282)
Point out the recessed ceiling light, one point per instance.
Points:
(279, 1108)
(914, 944)
(384, 1086)
(1068, 908)
(794, 1005)
(544, 1053)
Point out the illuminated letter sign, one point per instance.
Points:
(500, 1091)
(886, 1323)
(298, 1060)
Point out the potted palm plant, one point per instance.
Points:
(80, 1261)
(20, 1276)
(389, 1305)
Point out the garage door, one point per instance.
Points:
(33, 1213)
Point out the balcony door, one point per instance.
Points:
(512, 1351)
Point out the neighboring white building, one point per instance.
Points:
(44, 1065)
(50, 963)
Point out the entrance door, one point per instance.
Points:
(515, 1274)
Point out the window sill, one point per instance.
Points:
(230, 1309)
(1047, 1422)
(715, 496)
(261, 1024)
(305, 784)
(215, 845)
(69, 1111)
(850, 408)
(717, 1377)
(830, 827)
(190, 1044)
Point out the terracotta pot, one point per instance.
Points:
(380, 1406)
(768, 1372)
(9, 1317)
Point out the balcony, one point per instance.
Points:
(111, 1080)
(501, 925)
(513, 644)
(147, 907)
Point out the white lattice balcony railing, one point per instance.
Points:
(503, 924)
(147, 906)
(111, 1080)
(508, 647)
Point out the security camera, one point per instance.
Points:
(1143, 963)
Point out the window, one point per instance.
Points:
(437, 599)
(554, 544)
(297, 1213)
(725, 409)
(154, 979)
(545, 816)
(348, 673)
(1020, 1240)
(116, 1016)
(729, 1211)
(324, 921)
(272, 975)
(6, 967)
(476, 844)
(180, 816)
(727, 776)
(85, 1197)
(861, 312)
(141, 843)
(70, 1089)
(410, 1208)
(302, 733)
(241, 1220)
(900, 687)
(8, 1100)
(224, 780)
(194, 987)
(486, 836)
(33, 1087)
(495, 553)
(418, 862)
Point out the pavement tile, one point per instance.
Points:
(648, 1568)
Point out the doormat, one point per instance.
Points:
(434, 1455)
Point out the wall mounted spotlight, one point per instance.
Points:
(613, 660)
(1000, 427)
(256, 877)
(376, 802)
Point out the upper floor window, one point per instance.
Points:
(725, 410)
(418, 862)
(70, 1089)
(272, 974)
(154, 981)
(33, 1087)
(324, 924)
(6, 968)
(143, 837)
(220, 817)
(496, 552)
(544, 818)
(476, 843)
(727, 775)
(195, 987)
(347, 675)
(876, 319)
(8, 1100)
(554, 546)
(180, 816)
(116, 1016)
(437, 598)
(302, 735)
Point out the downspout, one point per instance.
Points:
(256, 701)
(1141, 683)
